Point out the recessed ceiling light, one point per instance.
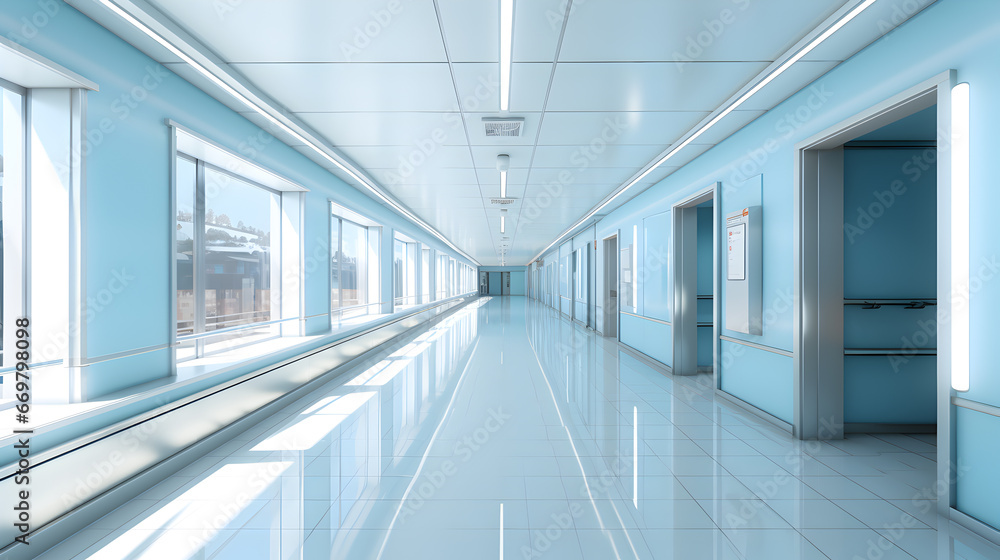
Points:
(506, 46)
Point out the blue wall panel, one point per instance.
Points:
(494, 283)
(890, 389)
(654, 268)
(761, 378)
(517, 287)
(978, 487)
(649, 337)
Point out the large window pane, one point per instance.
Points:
(226, 231)
(355, 265)
(12, 221)
(237, 251)
(425, 275)
(187, 172)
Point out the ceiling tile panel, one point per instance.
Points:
(706, 30)
(388, 129)
(562, 129)
(650, 86)
(355, 87)
(313, 30)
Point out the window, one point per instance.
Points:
(404, 271)
(228, 232)
(425, 275)
(354, 264)
(451, 277)
(626, 277)
(12, 214)
(441, 277)
(580, 270)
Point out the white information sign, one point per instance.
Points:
(736, 252)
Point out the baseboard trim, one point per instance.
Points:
(762, 414)
(646, 359)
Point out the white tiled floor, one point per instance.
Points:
(412, 454)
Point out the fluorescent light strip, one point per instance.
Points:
(960, 237)
(725, 112)
(271, 118)
(506, 46)
(503, 184)
(503, 224)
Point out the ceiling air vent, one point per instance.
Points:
(502, 201)
(503, 127)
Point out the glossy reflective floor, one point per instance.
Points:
(506, 431)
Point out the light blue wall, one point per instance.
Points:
(517, 287)
(128, 221)
(950, 34)
(494, 283)
(649, 337)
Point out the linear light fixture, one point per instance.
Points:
(770, 77)
(506, 47)
(503, 224)
(503, 184)
(960, 236)
(274, 120)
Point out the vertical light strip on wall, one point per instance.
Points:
(501, 530)
(635, 268)
(960, 296)
(506, 46)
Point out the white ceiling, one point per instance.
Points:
(429, 74)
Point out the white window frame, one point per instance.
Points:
(373, 273)
(286, 267)
(408, 276)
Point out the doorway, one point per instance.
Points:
(505, 283)
(871, 262)
(484, 283)
(695, 332)
(610, 295)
